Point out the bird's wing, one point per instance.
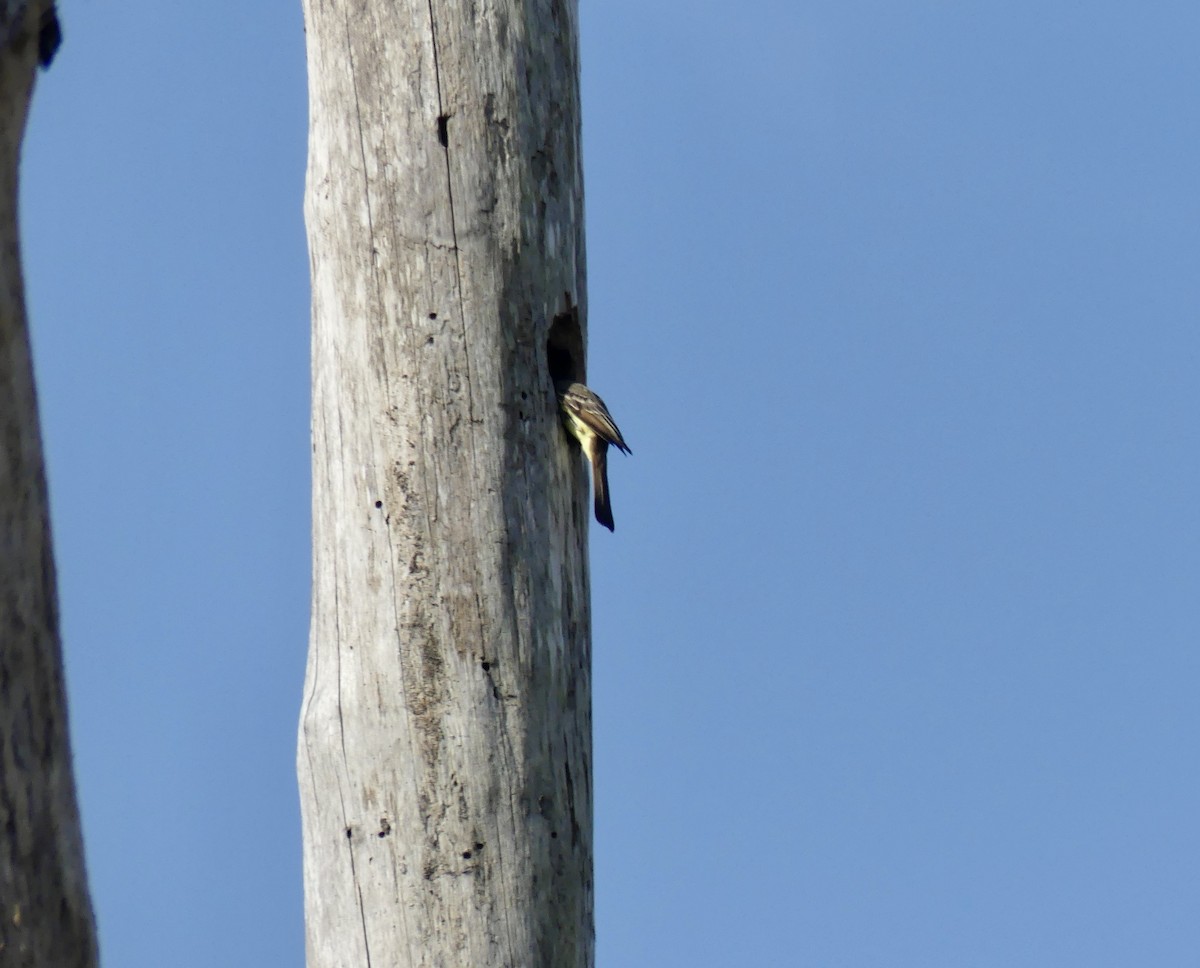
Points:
(590, 409)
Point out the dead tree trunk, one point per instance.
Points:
(45, 913)
(445, 737)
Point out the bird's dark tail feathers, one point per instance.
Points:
(600, 487)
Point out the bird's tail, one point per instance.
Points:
(600, 487)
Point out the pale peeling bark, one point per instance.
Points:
(445, 738)
(45, 912)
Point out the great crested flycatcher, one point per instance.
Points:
(588, 420)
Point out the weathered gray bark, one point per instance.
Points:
(45, 912)
(445, 738)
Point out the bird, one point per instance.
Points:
(49, 35)
(589, 422)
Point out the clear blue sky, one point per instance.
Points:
(896, 640)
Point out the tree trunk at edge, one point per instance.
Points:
(45, 913)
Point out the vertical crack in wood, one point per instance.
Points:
(444, 118)
(443, 123)
(362, 151)
(362, 909)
